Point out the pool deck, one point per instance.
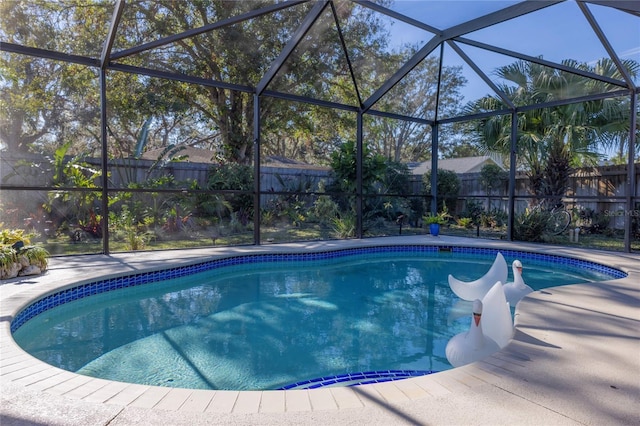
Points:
(574, 360)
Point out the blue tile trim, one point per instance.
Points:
(109, 284)
(362, 378)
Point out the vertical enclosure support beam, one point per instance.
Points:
(104, 61)
(104, 222)
(434, 139)
(631, 211)
(512, 174)
(434, 169)
(359, 163)
(256, 169)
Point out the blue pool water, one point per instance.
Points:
(273, 321)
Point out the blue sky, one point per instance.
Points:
(557, 32)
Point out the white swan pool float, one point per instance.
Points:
(473, 290)
(516, 290)
(496, 318)
(473, 345)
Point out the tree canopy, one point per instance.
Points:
(552, 141)
(52, 103)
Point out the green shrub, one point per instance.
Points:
(267, 217)
(473, 209)
(441, 218)
(8, 256)
(324, 210)
(448, 187)
(431, 219)
(530, 225)
(12, 236)
(493, 219)
(345, 226)
(600, 223)
(493, 177)
(15, 255)
(465, 222)
(234, 177)
(37, 255)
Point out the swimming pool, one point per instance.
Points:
(221, 316)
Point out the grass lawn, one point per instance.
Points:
(314, 232)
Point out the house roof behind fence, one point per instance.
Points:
(184, 153)
(457, 165)
(190, 154)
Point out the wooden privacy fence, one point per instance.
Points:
(600, 189)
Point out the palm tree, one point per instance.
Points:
(553, 141)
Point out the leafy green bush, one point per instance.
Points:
(343, 171)
(441, 218)
(37, 255)
(448, 187)
(8, 256)
(431, 219)
(465, 222)
(345, 226)
(530, 225)
(267, 218)
(12, 236)
(493, 177)
(599, 223)
(324, 210)
(474, 210)
(493, 219)
(125, 227)
(233, 177)
(16, 255)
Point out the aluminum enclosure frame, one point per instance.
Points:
(453, 36)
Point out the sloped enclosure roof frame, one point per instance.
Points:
(453, 37)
